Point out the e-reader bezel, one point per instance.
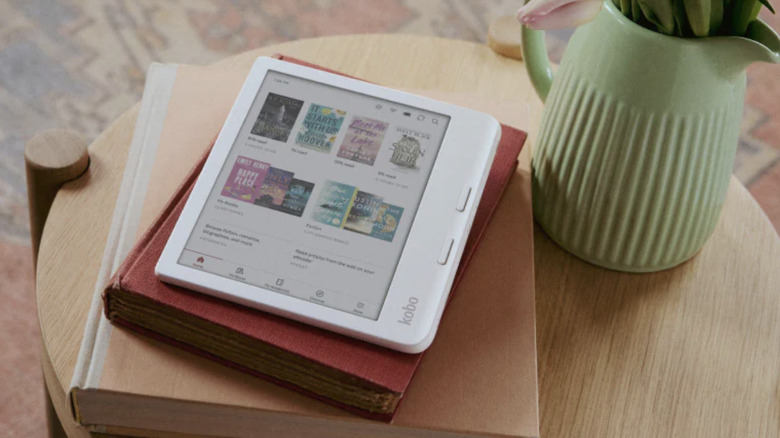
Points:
(420, 281)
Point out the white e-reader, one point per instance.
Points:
(335, 202)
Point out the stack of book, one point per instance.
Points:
(478, 378)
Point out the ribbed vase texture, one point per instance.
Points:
(629, 187)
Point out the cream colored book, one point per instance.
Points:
(477, 379)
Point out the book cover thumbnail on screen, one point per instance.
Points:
(245, 178)
(333, 203)
(363, 140)
(297, 197)
(277, 117)
(363, 213)
(271, 192)
(320, 127)
(386, 222)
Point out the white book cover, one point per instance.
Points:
(124, 223)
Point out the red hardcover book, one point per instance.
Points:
(357, 376)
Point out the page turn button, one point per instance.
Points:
(464, 199)
(444, 255)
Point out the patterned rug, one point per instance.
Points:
(78, 64)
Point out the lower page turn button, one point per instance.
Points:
(444, 255)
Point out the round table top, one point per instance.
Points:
(693, 350)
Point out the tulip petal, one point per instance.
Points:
(568, 13)
(543, 7)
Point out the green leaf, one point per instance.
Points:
(625, 7)
(660, 13)
(768, 5)
(687, 18)
(681, 19)
(716, 16)
(636, 12)
(698, 12)
(742, 13)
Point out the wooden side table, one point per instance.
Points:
(693, 351)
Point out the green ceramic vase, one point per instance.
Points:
(638, 138)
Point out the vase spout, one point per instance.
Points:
(732, 54)
(765, 42)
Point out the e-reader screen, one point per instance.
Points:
(318, 193)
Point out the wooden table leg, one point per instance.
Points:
(51, 159)
(504, 37)
(52, 421)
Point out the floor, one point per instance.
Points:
(77, 64)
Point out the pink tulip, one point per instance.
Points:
(556, 14)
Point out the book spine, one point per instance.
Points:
(349, 207)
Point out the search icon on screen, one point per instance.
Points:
(435, 121)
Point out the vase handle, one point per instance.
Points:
(537, 64)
